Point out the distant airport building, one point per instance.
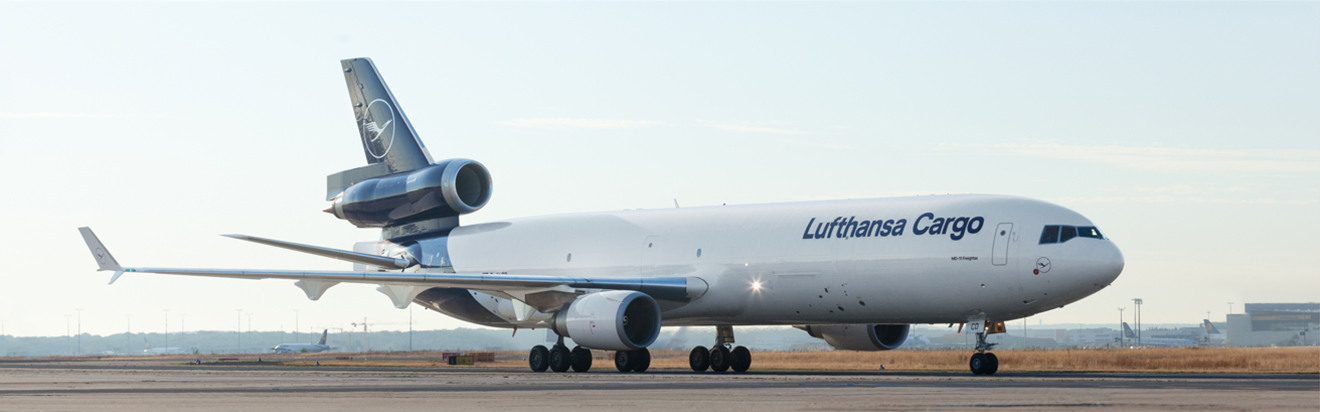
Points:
(1275, 324)
(1085, 338)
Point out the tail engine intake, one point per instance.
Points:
(448, 188)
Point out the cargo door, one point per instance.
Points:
(1003, 233)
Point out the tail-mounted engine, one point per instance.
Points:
(860, 337)
(445, 189)
(611, 320)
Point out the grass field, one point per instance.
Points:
(1213, 360)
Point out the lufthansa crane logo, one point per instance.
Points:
(100, 255)
(378, 128)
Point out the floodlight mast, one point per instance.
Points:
(1137, 317)
(1120, 326)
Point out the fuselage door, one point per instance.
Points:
(1002, 234)
(650, 251)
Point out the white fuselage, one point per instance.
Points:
(787, 263)
(300, 347)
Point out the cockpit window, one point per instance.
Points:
(1050, 235)
(1061, 233)
(1089, 231)
(1067, 233)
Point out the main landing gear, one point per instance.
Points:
(560, 359)
(721, 357)
(982, 362)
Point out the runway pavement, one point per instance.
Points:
(144, 386)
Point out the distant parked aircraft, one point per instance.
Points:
(304, 347)
(1167, 342)
(1212, 334)
(162, 351)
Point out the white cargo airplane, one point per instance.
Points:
(304, 347)
(854, 272)
(1159, 342)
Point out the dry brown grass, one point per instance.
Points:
(1201, 360)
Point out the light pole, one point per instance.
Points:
(1230, 309)
(249, 326)
(295, 326)
(167, 331)
(1120, 326)
(183, 324)
(67, 340)
(79, 331)
(410, 317)
(238, 333)
(1137, 316)
(128, 332)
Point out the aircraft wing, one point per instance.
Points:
(402, 286)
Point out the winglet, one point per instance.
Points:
(104, 260)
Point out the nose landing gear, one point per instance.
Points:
(982, 362)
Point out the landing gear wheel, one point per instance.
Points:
(581, 359)
(699, 359)
(539, 358)
(719, 359)
(740, 359)
(992, 362)
(642, 359)
(978, 364)
(560, 359)
(624, 361)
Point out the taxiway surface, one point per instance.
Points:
(145, 386)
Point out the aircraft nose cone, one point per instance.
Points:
(1109, 262)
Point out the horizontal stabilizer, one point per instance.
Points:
(384, 262)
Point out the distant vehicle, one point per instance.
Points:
(1212, 334)
(304, 347)
(1160, 342)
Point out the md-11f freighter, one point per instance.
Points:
(856, 273)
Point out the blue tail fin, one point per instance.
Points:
(323, 333)
(387, 136)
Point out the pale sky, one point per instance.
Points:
(1188, 132)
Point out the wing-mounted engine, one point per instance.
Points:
(418, 201)
(860, 337)
(611, 320)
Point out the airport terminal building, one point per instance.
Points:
(1275, 324)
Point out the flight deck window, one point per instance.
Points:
(1067, 233)
(1089, 231)
(1050, 235)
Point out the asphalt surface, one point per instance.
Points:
(145, 386)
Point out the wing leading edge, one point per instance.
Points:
(403, 286)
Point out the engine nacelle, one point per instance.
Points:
(611, 320)
(860, 337)
(447, 188)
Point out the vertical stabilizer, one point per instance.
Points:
(1127, 332)
(387, 136)
(323, 333)
(1210, 328)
